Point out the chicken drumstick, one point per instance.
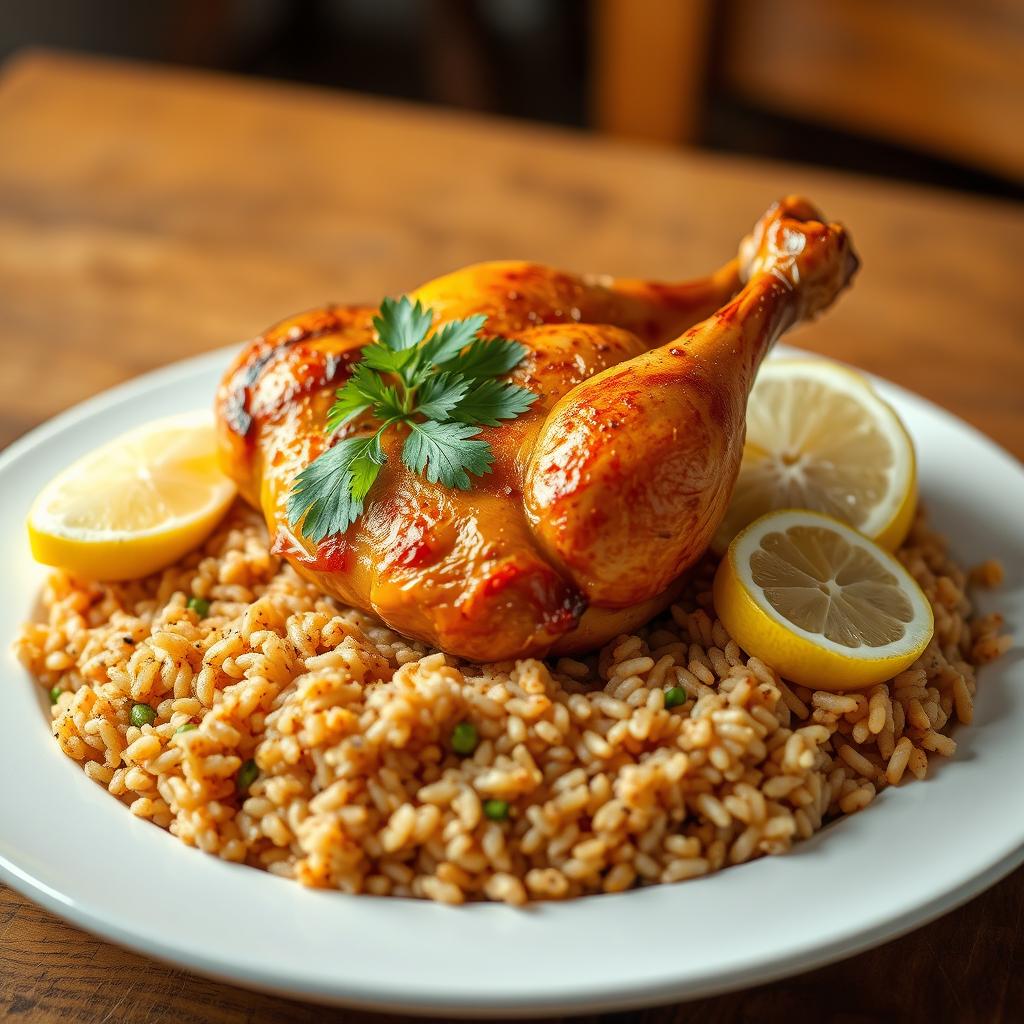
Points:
(601, 495)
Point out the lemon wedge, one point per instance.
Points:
(134, 505)
(820, 437)
(821, 603)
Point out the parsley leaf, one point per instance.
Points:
(490, 401)
(401, 324)
(328, 494)
(443, 346)
(440, 393)
(445, 453)
(362, 391)
(380, 357)
(488, 357)
(365, 466)
(451, 338)
(442, 388)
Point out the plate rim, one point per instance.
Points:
(612, 995)
(426, 1003)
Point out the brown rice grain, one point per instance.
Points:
(349, 725)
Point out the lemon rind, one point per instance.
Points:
(799, 655)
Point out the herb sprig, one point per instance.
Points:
(441, 389)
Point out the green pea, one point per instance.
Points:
(55, 693)
(247, 775)
(676, 696)
(187, 727)
(199, 605)
(464, 738)
(142, 714)
(496, 810)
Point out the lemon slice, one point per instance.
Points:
(134, 505)
(819, 437)
(821, 603)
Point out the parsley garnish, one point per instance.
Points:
(441, 389)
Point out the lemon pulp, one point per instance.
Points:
(134, 505)
(819, 437)
(824, 605)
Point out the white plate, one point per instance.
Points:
(914, 854)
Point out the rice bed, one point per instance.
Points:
(349, 726)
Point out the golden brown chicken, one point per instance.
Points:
(601, 495)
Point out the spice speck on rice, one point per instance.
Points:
(228, 701)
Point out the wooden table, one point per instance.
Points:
(147, 215)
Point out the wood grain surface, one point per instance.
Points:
(945, 77)
(149, 214)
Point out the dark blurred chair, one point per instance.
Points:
(944, 77)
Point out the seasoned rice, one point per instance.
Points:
(350, 724)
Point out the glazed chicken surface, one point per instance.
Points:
(601, 495)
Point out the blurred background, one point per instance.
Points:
(924, 90)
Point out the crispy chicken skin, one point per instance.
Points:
(601, 495)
